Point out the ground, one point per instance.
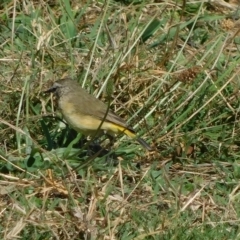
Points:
(169, 68)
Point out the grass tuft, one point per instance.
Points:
(171, 69)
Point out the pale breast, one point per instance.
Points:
(81, 122)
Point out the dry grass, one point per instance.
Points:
(171, 68)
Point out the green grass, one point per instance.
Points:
(171, 69)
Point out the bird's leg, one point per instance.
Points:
(111, 157)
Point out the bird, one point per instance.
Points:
(87, 114)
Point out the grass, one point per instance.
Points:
(171, 68)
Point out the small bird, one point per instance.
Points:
(87, 114)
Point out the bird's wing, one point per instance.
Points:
(112, 117)
(94, 107)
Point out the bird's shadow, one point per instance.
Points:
(92, 147)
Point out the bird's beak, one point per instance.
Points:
(50, 90)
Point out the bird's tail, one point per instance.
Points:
(130, 133)
(144, 144)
